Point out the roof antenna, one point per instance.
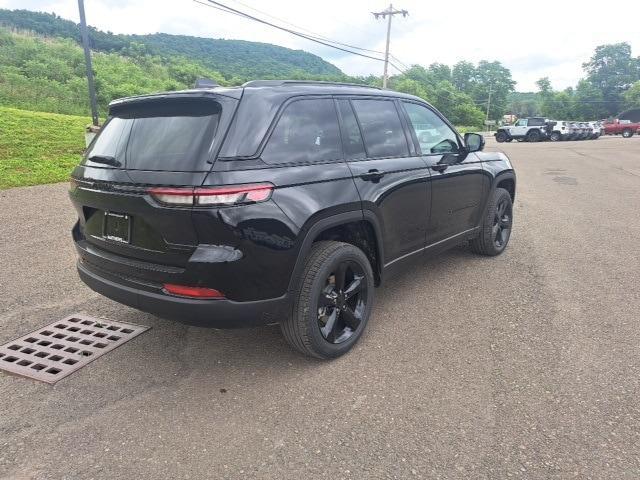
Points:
(205, 83)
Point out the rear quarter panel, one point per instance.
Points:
(270, 235)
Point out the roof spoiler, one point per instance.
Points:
(205, 83)
(280, 83)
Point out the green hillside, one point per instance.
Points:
(38, 147)
(234, 59)
(49, 74)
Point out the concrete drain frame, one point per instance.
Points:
(58, 349)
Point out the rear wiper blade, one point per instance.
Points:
(107, 159)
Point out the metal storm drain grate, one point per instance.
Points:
(56, 350)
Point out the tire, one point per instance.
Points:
(627, 133)
(324, 321)
(533, 136)
(555, 137)
(501, 137)
(494, 225)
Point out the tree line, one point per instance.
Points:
(611, 85)
(42, 68)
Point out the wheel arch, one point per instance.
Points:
(506, 180)
(356, 227)
(504, 130)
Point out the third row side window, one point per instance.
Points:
(307, 132)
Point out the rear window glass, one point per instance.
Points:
(158, 135)
(307, 132)
(381, 127)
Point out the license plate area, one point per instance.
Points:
(117, 227)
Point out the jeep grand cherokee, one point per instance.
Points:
(279, 202)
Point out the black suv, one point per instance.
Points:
(279, 202)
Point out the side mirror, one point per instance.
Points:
(474, 142)
(445, 146)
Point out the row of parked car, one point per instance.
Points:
(563, 130)
(536, 129)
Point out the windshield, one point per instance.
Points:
(175, 135)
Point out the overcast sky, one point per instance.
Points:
(534, 40)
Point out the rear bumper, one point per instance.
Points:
(220, 313)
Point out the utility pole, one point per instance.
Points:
(390, 12)
(87, 58)
(488, 107)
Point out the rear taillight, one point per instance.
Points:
(259, 192)
(212, 196)
(173, 196)
(191, 292)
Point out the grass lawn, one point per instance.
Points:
(38, 147)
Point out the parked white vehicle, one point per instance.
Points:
(597, 129)
(562, 130)
(533, 129)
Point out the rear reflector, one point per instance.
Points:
(210, 196)
(192, 292)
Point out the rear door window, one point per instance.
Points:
(158, 135)
(381, 128)
(307, 132)
(351, 137)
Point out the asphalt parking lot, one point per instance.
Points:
(525, 365)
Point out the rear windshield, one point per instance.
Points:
(175, 135)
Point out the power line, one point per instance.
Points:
(399, 61)
(319, 36)
(311, 33)
(224, 8)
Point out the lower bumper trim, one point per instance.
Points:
(216, 313)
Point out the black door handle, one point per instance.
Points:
(373, 175)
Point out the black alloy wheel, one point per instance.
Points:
(332, 302)
(502, 223)
(342, 302)
(496, 227)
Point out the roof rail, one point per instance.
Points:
(280, 83)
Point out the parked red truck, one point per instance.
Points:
(621, 127)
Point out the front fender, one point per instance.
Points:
(499, 168)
